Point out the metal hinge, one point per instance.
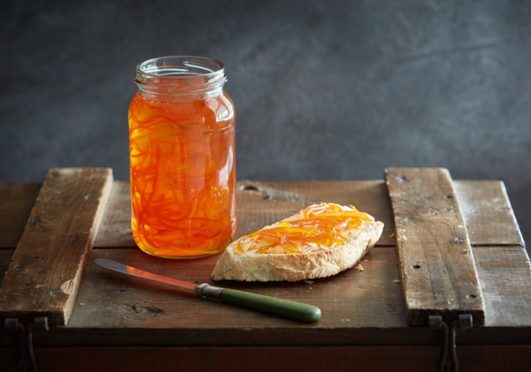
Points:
(23, 336)
(449, 361)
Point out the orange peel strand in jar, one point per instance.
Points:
(182, 161)
(320, 225)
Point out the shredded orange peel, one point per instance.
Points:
(319, 225)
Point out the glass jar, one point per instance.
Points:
(182, 158)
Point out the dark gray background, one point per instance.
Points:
(323, 89)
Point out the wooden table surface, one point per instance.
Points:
(363, 313)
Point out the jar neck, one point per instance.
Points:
(177, 77)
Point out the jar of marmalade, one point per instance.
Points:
(182, 158)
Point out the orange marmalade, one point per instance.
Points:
(317, 226)
(182, 158)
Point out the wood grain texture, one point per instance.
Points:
(45, 271)
(489, 217)
(129, 324)
(359, 307)
(118, 309)
(260, 204)
(112, 300)
(288, 197)
(436, 262)
(236, 359)
(115, 227)
(269, 358)
(16, 201)
(505, 277)
(114, 310)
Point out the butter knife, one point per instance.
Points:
(273, 305)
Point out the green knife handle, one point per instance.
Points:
(285, 308)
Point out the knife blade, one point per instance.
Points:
(273, 305)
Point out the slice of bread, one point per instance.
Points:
(319, 241)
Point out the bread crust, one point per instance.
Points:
(320, 263)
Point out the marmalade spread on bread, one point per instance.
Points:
(317, 226)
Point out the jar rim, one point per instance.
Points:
(179, 67)
(180, 75)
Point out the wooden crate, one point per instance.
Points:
(102, 321)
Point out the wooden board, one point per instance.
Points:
(115, 227)
(119, 311)
(505, 277)
(131, 301)
(131, 324)
(260, 204)
(44, 274)
(488, 213)
(352, 302)
(114, 310)
(256, 208)
(411, 358)
(264, 202)
(235, 359)
(437, 266)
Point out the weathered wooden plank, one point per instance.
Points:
(488, 213)
(260, 204)
(115, 227)
(122, 311)
(505, 277)
(354, 298)
(44, 274)
(362, 307)
(351, 301)
(436, 262)
(16, 200)
(483, 225)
